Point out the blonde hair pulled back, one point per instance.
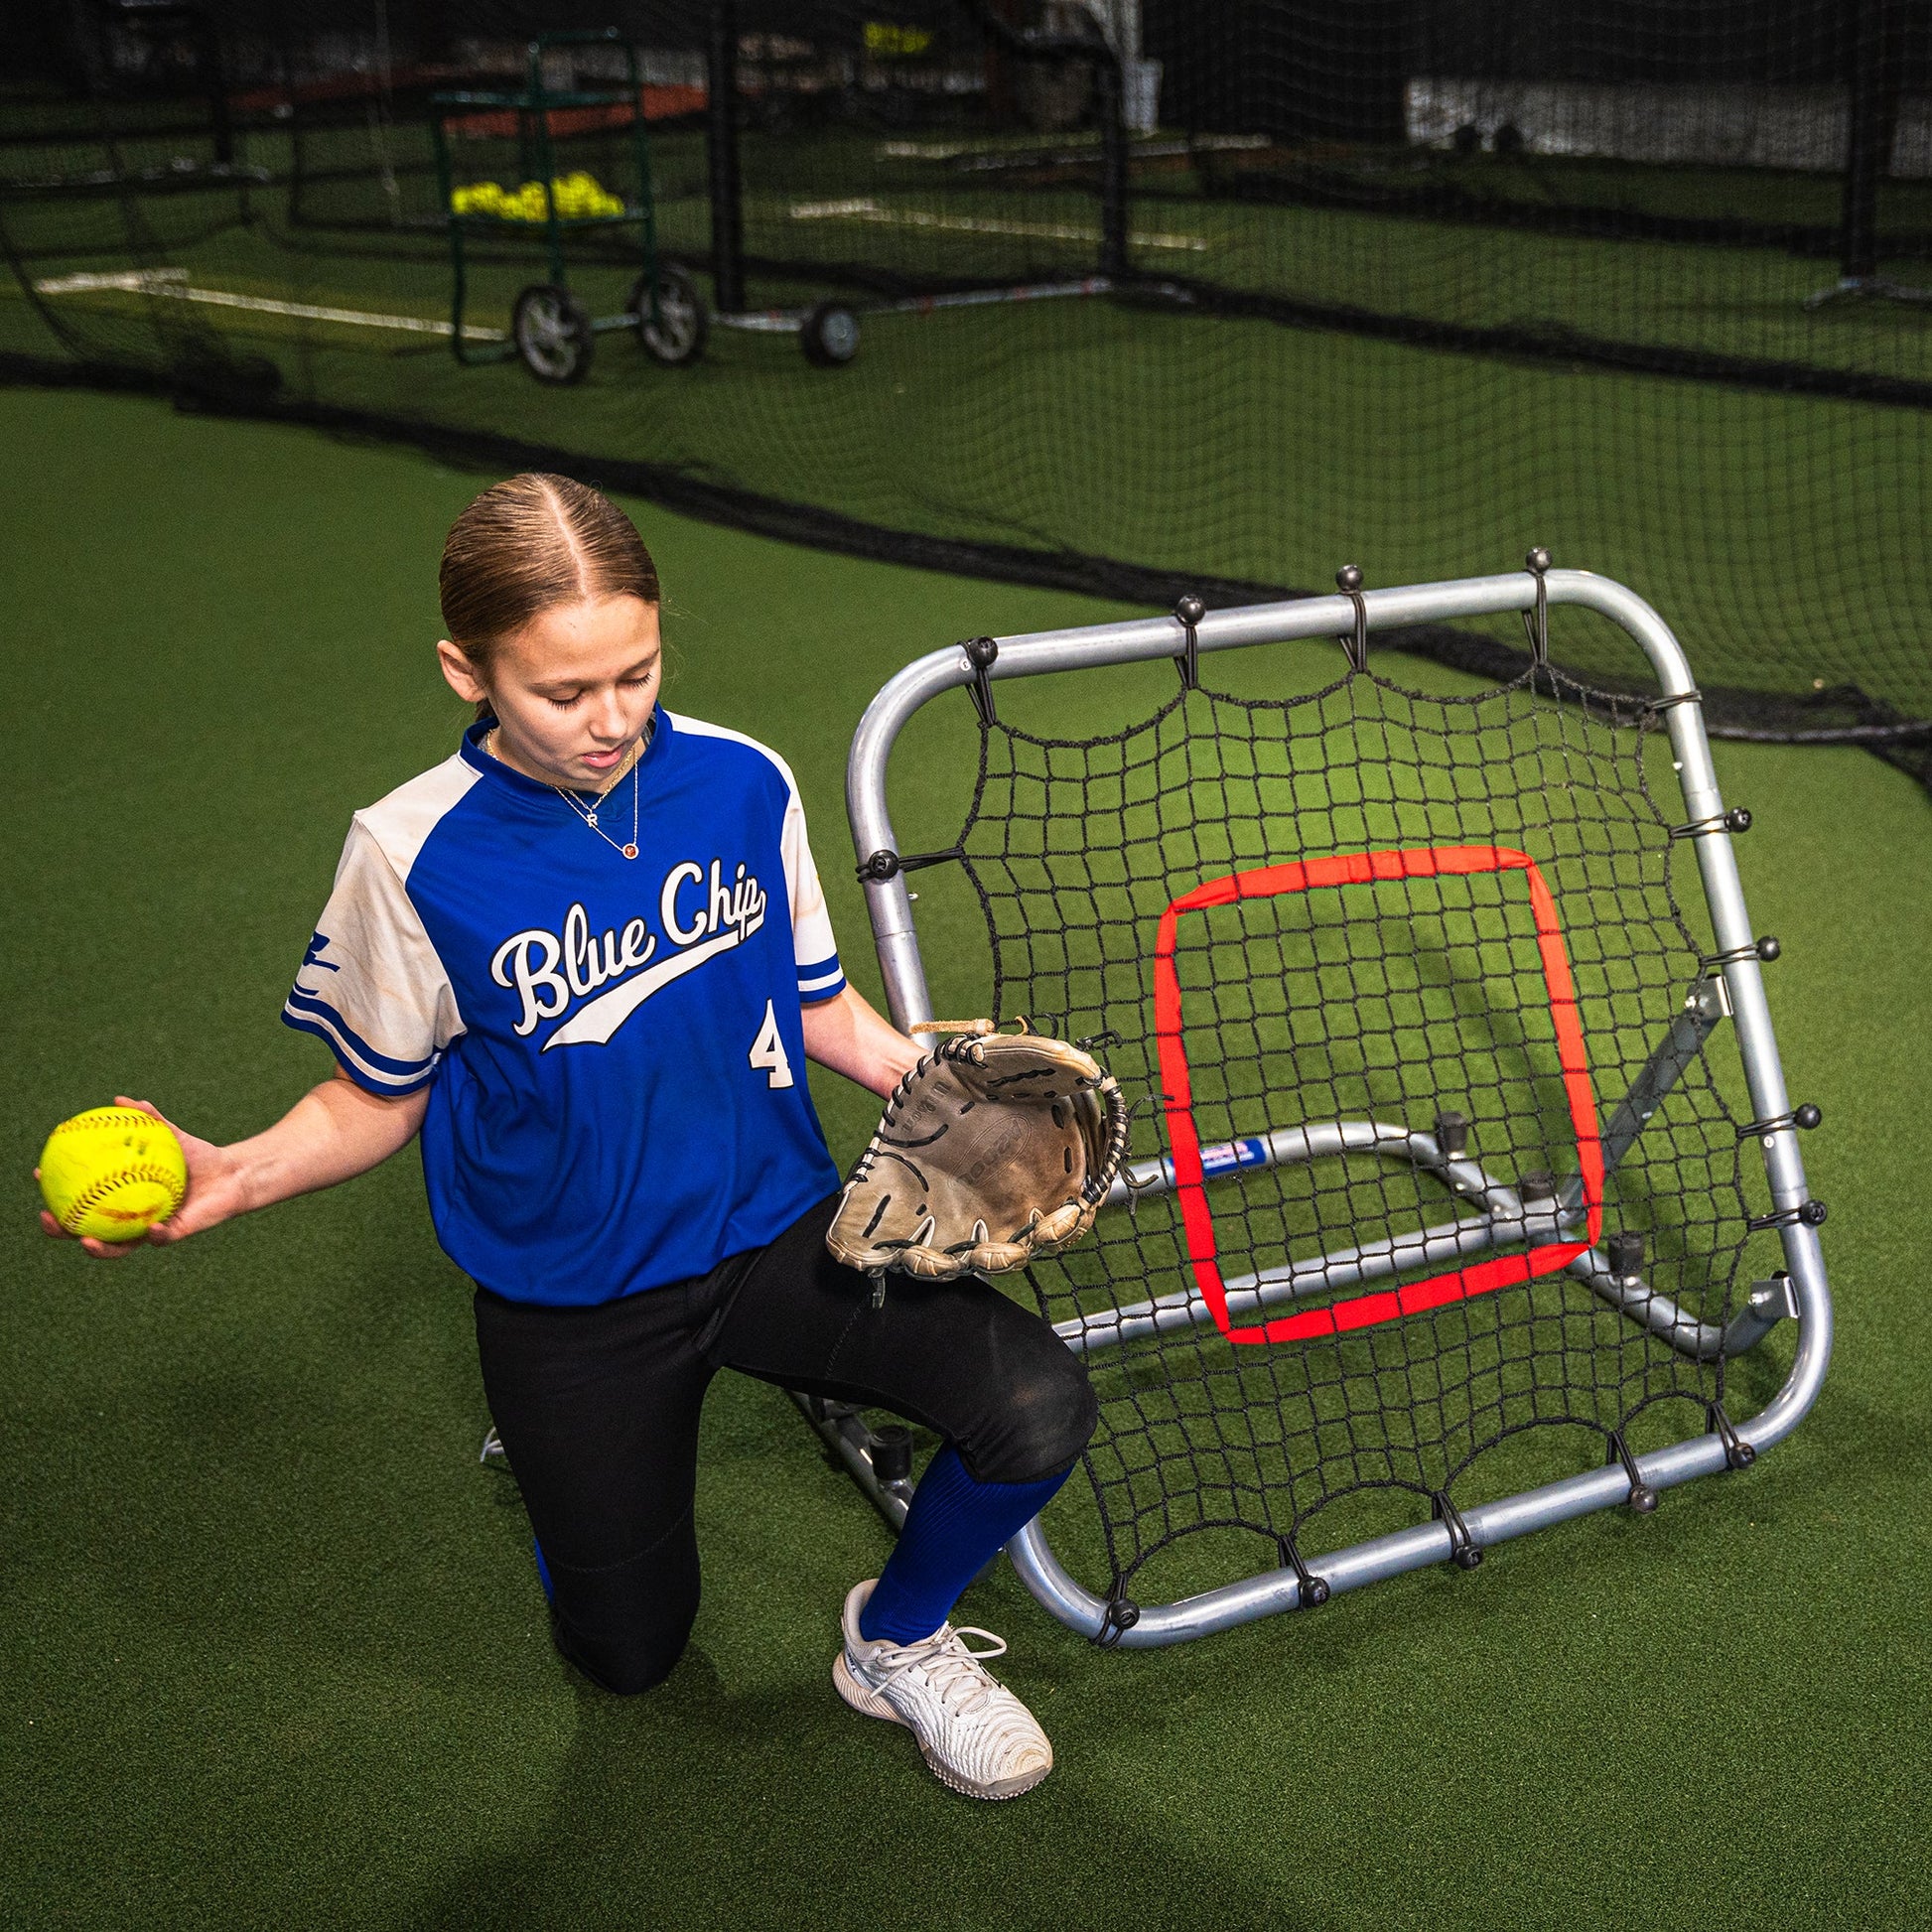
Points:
(528, 545)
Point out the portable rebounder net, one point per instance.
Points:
(1453, 1207)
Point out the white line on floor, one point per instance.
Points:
(174, 282)
(876, 215)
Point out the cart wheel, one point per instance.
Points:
(552, 332)
(830, 336)
(677, 335)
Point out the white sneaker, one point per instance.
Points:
(977, 1736)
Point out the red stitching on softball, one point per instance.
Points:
(85, 1202)
(97, 1118)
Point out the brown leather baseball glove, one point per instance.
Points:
(995, 1149)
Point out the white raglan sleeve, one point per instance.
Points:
(371, 983)
(820, 977)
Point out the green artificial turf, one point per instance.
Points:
(271, 1648)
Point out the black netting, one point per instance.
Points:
(1400, 1038)
(1396, 281)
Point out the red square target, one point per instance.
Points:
(1459, 1284)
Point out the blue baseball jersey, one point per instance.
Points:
(613, 1047)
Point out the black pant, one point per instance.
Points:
(598, 1410)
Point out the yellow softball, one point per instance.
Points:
(112, 1173)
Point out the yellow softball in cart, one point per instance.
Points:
(112, 1173)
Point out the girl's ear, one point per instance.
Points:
(459, 673)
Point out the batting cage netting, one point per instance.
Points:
(1438, 1191)
(1134, 298)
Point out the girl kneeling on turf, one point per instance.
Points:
(585, 957)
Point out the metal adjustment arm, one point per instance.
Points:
(1704, 1007)
(1618, 1279)
(1507, 1216)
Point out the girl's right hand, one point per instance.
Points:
(213, 1194)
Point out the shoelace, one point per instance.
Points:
(952, 1665)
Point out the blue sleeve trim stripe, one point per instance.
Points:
(811, 969)
(818, 996)
(822, 982)
(301, 1001)
(386, 1086)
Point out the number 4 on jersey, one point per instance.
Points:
(769, 1052)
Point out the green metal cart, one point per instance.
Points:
(552, 332)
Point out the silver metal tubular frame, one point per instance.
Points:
(843, 1432)
(1281, 1144)
(1504, 1221)
(890, 906)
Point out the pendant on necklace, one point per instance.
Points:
(590, 819)
(628, 851)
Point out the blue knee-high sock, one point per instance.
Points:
(953, 1525)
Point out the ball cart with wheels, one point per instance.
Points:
(552, 332)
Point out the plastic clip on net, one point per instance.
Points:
(1765, 948)
(1312, 1592)
(1120, 1615)
(886, 864)
(980, 653)
(1348, 580)
(1189, 613)
(1464, 1552)
(1642, 1498)
(1739, 1454)
(1737, 819)
(1537, 627)
(1810, 1215)
(1807, 1116)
